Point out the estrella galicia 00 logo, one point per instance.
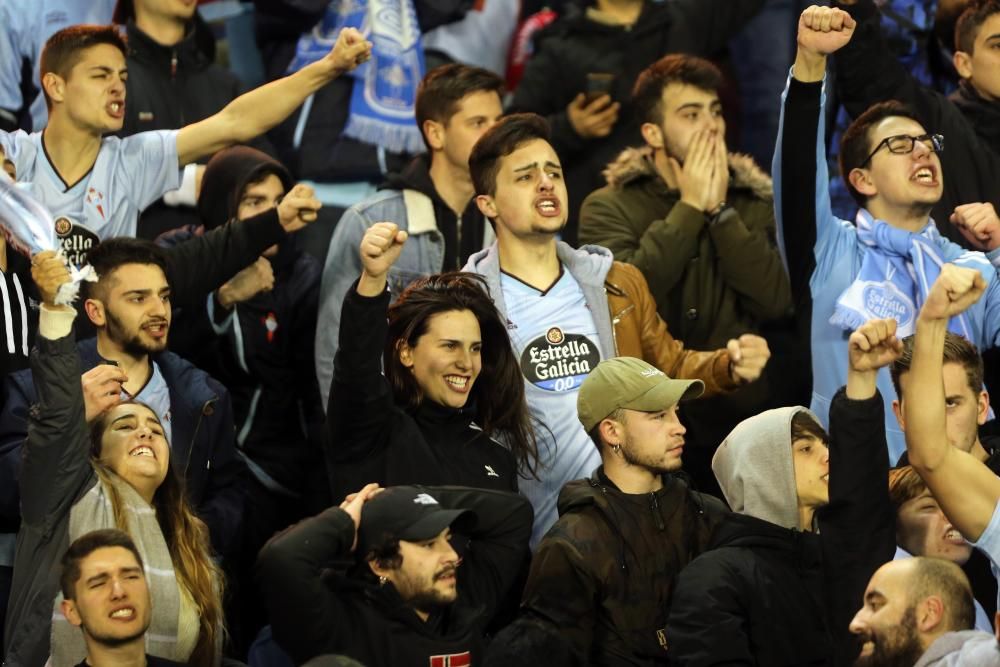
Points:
(559, 361)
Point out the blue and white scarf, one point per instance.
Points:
(385, 88)
(896, 275)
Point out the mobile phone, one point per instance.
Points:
(598, 85)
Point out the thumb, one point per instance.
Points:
(401, 237)
(735, 354)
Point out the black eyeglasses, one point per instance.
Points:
(902, 144)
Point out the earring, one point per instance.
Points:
(382, 580)
(617, 448)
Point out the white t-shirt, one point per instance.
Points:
(128, 175)
(555, 338)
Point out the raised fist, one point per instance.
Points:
(955, 290)
(298, 208)
(380, 248)
(823, 30)
(978, 222)
(748, 355)
(350, 50)
(49, 272)
(874, 345)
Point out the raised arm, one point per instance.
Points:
(257, 111)
(966, 489)
(306, 619)
(802, 200)
(360, 406)
(56, 461)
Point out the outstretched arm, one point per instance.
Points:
(967, 490)
(257, 111)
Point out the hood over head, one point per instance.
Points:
(754, 467)
(227, 175)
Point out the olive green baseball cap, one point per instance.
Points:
(626, 382)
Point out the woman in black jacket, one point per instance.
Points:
(450, 408)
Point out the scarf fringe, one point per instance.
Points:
(393, 137)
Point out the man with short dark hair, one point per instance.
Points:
(409, 599)
(431, 200)
(568, 309)
(105, 594)
(699, 223)
(130, 306)
(603, 576)
(885, 264)
(969, 118)
(918, 611)
(96, 186)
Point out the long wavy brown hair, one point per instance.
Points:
(501, 409)
(186, 536)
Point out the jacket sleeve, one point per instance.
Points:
(498, 542)
(342, 268)
(306, 617)
(56, 463)
(707, 622)
(858, 526)
(662, 252)
(19, 395)
(750, 263)
(802, 199)
(667, 353)
(360, 397)
(715, 22)
(222, 504)
(564, 590)
(202, 264)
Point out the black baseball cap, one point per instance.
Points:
(407, 513)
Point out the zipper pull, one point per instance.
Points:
(656, 511)
(173, 64)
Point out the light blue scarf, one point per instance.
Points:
(385, 88)
(896, 275)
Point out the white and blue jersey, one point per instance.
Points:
(555, 338)
(128, 175)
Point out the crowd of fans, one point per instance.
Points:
(577, 384)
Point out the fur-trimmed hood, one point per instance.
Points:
(634, 163)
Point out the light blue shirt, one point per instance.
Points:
(989, 544)
(128, 175)
(555, 338)
(156, 394)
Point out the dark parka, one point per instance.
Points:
(712, 282)
(767, 594)
(868, 72)
(315, 611)
(604, 573)
(579, 43)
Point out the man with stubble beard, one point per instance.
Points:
(130, 308)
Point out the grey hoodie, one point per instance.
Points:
(754, 467)
(968, 648)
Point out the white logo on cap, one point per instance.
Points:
(424, 499)
(650, 372)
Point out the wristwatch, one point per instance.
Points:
(715, 214)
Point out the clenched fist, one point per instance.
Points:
(748, 355)
(954, 291)
(874, 345)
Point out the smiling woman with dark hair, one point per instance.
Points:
(114, 473)
(450, 408)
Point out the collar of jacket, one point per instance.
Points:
(984, 116)
(589, 265)
(196, 51)
(417, 176)
(634, 164)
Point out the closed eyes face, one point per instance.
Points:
(134, 446)
(111, 596)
